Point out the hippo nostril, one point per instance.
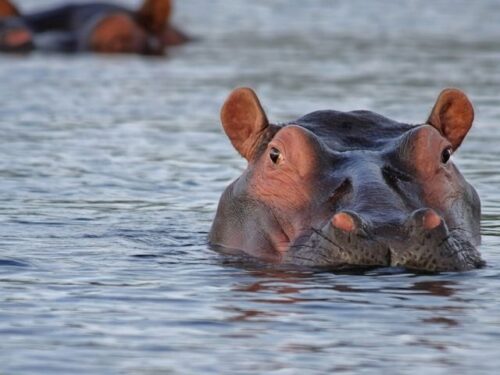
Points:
(431, 220)
(426, 218)
(344, 221)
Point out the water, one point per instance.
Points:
(111, 169)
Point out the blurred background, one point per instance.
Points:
(111, 168)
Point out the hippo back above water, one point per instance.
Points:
(350, 189)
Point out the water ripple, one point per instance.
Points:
(111, 170)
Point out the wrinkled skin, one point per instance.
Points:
(350, 189)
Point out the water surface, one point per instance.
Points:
(111, 169)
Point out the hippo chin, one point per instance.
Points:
(350, 189)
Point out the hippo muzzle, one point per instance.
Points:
(423, 242)
(350, 189)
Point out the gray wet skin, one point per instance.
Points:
(350, 189)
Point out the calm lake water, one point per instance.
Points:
(111, 169)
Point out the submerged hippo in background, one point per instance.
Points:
(350, 189)
(90, 27)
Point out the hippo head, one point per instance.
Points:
(350, 189)
(119, 33)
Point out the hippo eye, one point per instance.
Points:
(275, 155)
(446, 155)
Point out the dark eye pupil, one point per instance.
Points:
(274, 155)
(446, 155)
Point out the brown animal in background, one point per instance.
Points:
(94, 27)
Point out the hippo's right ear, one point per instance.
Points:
(452, 115)
(154, 15)
(8, 9)
(244, 120)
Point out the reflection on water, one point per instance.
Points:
(313, 314)
(111, 169)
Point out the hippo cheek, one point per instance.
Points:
(287, 180)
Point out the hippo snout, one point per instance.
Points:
(422, 242)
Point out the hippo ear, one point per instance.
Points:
(452, 115)
(8, 9)
(243, 120)
(154, 15)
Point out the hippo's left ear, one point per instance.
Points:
(452, 115)
(244, 120)
(8, 9)
(154, 15)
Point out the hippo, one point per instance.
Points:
(349, 190)
(7, 9)
(90, 27)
